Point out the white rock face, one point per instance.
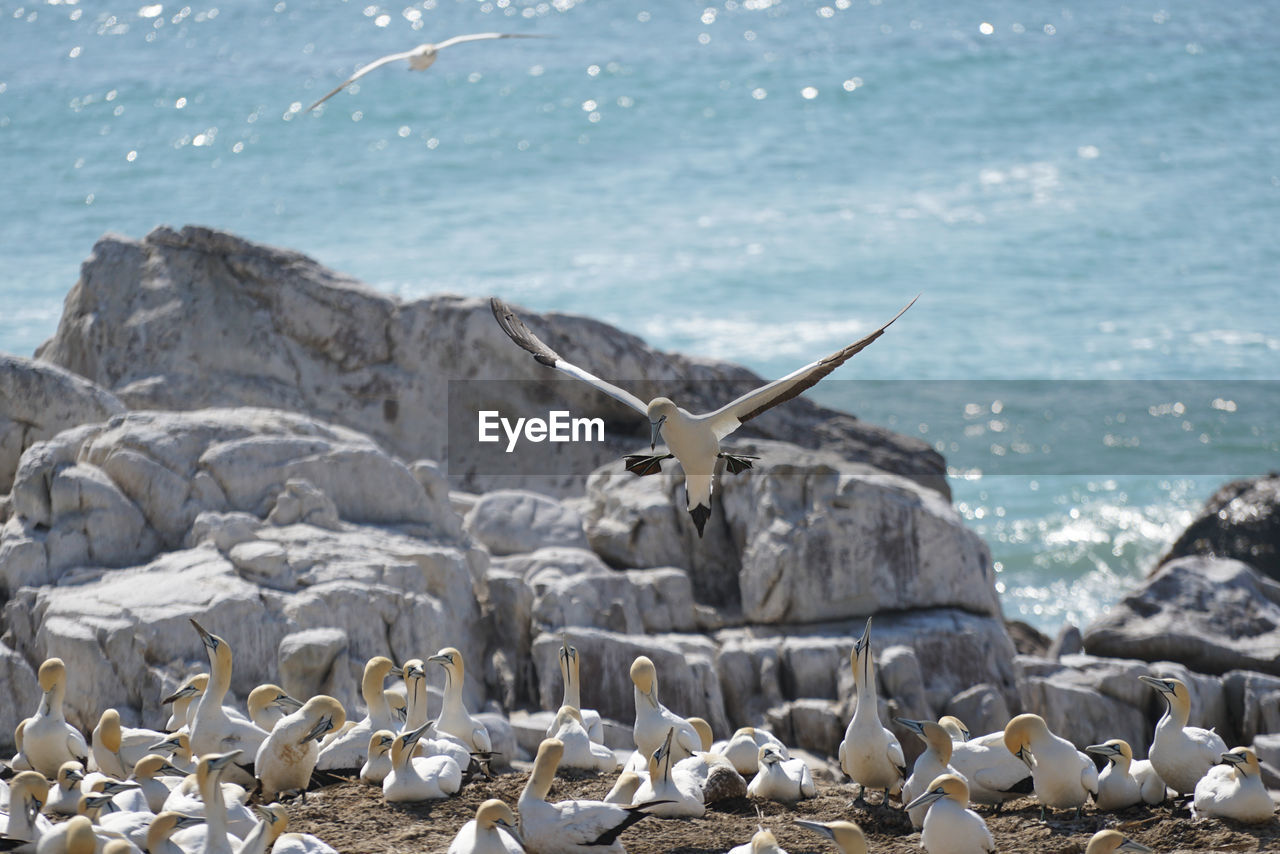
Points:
(198, 318)
(802, 537)
(39, 400)
(510, 521)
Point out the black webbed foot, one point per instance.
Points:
(643, 464)
(736, 463)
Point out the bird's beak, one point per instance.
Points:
(204, 635)
(816, 827)
(317, 732)
(915, 726)
(655, 432)
(513, 831)
(415, 672)
(1159, 684)
(284, 701)
(178, 695)
(168, 744)
(412, 738)
(1102, 750)
(188, 821)
(864, 641)
(170, 768)
(1024, 756)
(217, 763)
(1130, 845)
(927, 798)
(397, 671)
(115, 787)
(1231, 759)
(75, 774)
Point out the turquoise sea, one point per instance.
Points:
(1083, 190)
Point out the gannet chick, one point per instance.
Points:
(846, 835)
(47, 739)
(286, 759)
(1062, 776)
(492, 831)
(378, 765)
(743, 748)
(930, 765)
(183, 701)
(269, 703)
(420, 58)
(1108, 841)
(569, 675)
(784, 780)
(694, 440)
(1234, 789)
(654, 720)
(454, 718)
(417, 779)
(1181, 754)
(1125, 782)
(675, 792)
(625, 788)
(27, 793)
(579, 750)
(347, 752)
(74, 836)
(64, 793)
(870, 754)
(569, 827)
(950, 827)
(163, 826)
(212, 730)
(764, 842)
(993, 773)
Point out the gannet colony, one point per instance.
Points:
(830, 626)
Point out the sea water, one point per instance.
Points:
(1081, 191)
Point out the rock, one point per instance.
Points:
(1252, 703)
(1267, 746)
(1082, 715)
(301, 501)
(307, 661)
(200, 318)
(1068, 642)
(1210, 614)
(899, 671)
(782, 529)
(687, 679)
(1027, 639)
(509, 612)
(502, 737)
(815, 725)
(511, 521)
(1117, 678)
(982, 708)
(38, 400)
(1241, 521)
(530, 728)
(22, 690)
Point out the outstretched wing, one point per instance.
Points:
(475, 37)
(727, 418)
(522, 335)
(377, 63)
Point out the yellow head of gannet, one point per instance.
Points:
(1176, 696)
(703, 729)
(1116, 751)
(645, 676)
(954, 727)
(485, 834)
(764, 842)
(949, 825)
(28, 793)
(1233, 789)
(1018, 734)
(107, 737)
(80, 836)
(846, 835)
(451, 660)
(52, 675)
(94, 803)
(414, 673)
(1107, 841)
(219, 650)
(167, 823)
(269, 703)
(276, 819)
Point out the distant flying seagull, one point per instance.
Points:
(421, 57)
(694, 440)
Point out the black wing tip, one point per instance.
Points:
(700, 513)
(1025, 786)
(521, 334)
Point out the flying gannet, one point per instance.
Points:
(950, 827)
(569, 827)
(870, 754)
(1234, 789)
(1181, 754)
(1062, 776)
(845, 835)
(694, 440)
(492, 831)
(421, 57)
(1125, 782)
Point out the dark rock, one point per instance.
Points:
(1242, 521)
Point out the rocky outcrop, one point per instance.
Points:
(1241, 521)
(199, 318)
(1210, 614)
(801, 537)
(39, 400)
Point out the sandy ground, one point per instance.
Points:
(354, 819)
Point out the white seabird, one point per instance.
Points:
(569, 675)
(269, 703)
(569, 827)
(694, 440)
(64, 791)
(779, 779)
(182, 702)
(993, 773)
(845, 835)
(347, 751)
(1181, 754)
(212, 730)
(270, 835)
(75, 836)
(675, 792)
(870, 754)
(950, 827)
(415, 778)
(930, 765)
(378, 765)
(1109, 841)
(763, 842)
(286, 759)
(493, 831)
(454, 718)
(579, 750)
(47, 739)
(742, 749)
(27, 793)
(421, 57)
(1125, 782)
(1063, 777)
(162, 828)
(653, 719)
(1234, 789)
